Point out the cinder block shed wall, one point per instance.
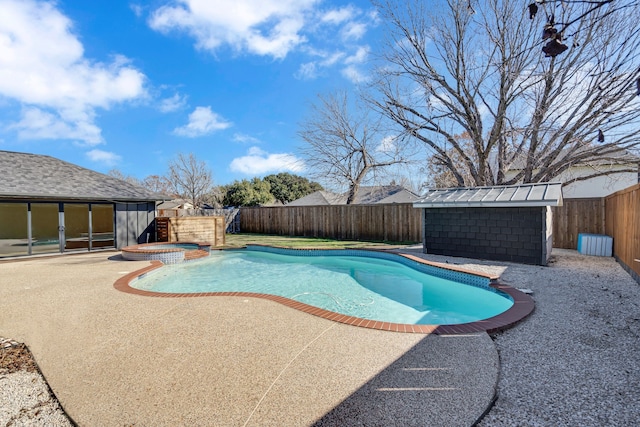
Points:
(502, 234)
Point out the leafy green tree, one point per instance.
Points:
(286, 187)
(248, 193)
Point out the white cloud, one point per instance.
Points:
(437, 102)
(245, 139)
(353, 31)
(202, 122)
(42, 66)
(373, 16)
(307, 71)
(338, 16)
(259, 162)
(332, 59)
(274, 28)
(359, 56)
(104, 157)
(173, 103)
(312, 70)
(387, 145)
(352, 73)
(263, 27)
(136, 9)
(39, 124)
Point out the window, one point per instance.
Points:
(14, 239)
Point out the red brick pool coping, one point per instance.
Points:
(523, 305)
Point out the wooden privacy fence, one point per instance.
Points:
(208, 229)
(622, 210)
(398, 222)
(232, 219)
(577, 216)
(617, 215)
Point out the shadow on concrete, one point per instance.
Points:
(442, 381)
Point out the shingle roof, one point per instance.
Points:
(619, 157)
(173, 204)
(318, 198)
(34, 176)
(540, 194)
(384, 194)
(366, 195)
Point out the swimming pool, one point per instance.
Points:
(377, 286)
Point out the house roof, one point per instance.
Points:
(34, 176)
(617, 157)
(366, 195)
(173, 204)
(318, 198)
(384, 194)
(524, 195)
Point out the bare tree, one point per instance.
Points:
(439, 176)
(476, 68)
(346, 146)
(157, 184)
(190, 178)
(215, 197)
(592, 6)
(117, 173)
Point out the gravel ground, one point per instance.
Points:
(25, 397)
(574, 362)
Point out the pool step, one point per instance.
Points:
(195, 254)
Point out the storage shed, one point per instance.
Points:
(504, 223)
(50, 206)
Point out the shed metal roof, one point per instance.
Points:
(540, 194)
(34, 176)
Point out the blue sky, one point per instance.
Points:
(130, 84)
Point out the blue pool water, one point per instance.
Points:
(377, 287)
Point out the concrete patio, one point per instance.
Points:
(118, 359)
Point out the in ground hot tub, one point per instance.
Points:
(167, 253)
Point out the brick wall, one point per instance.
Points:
(503, 234)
